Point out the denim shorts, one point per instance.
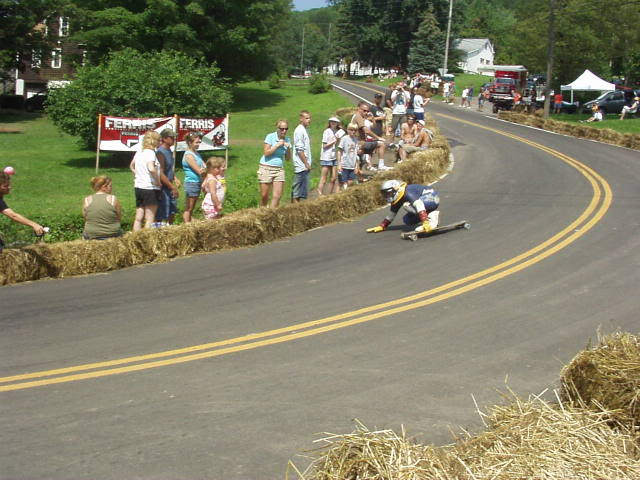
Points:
(347, 174)
(300, 187)
(192, 189)
(328, 163)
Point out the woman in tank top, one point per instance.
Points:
(101, 211)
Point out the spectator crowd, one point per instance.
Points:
(348, 154)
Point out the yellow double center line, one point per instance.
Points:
(598, 206)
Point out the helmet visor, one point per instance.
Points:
(389, 193)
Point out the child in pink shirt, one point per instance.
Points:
(214, 187)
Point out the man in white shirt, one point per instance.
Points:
(301, 158)
(400, 99)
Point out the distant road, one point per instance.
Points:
(225, 366)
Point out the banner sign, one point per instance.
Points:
(215, 132)
(122, 134)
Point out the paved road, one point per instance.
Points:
(221, 403)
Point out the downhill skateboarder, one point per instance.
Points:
(420, 202)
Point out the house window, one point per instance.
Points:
(64, 27)
(36, 58)
(56, 58)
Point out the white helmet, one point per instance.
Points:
(392, 190)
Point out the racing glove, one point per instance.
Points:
(424, 218)
(380, 228)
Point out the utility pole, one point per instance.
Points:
(446, 45)
(329, 48)
(302, 52)
(550, 48)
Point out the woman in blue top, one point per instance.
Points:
(194, 168)
(277, 149)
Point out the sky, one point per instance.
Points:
(308, 4)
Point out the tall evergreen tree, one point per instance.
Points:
(426, 53)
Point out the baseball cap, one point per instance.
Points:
(167, 132)
(334, 119)
(421, 122)
(378, 95)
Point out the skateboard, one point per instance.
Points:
(413, 235)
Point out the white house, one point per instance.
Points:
(478, 52)
(357, 68)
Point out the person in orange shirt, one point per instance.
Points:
(557, 103)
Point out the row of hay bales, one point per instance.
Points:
(590, 432)
(606, 135)
(239, 229)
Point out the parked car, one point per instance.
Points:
(610, 102)
(35, 102)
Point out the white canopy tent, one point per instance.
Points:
(588, 81)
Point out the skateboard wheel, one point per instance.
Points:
(467, 226)
(413, 237)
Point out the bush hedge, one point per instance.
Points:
(319, 83)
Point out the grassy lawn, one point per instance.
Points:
(628, 125)
(53, 171)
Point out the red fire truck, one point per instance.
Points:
(507, 80)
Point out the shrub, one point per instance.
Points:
(319, 84)
(135, 84)
(274, 81)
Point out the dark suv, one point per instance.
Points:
(611, 102)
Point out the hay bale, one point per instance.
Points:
(373, 455)
(19, 265)
(239, 229)
(536, 440)
(524, 440)
(605, 135)
(606, 376)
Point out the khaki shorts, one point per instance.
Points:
(269, 174)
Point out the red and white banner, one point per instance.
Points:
(215, 132)
(122, 134)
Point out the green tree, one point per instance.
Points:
(426, 53)
(600, 35)
(319, 40)
(381, 31)
(18, 32)
(493, 20)
(130, 83)
(237, 35)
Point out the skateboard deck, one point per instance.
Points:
(413, 235)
